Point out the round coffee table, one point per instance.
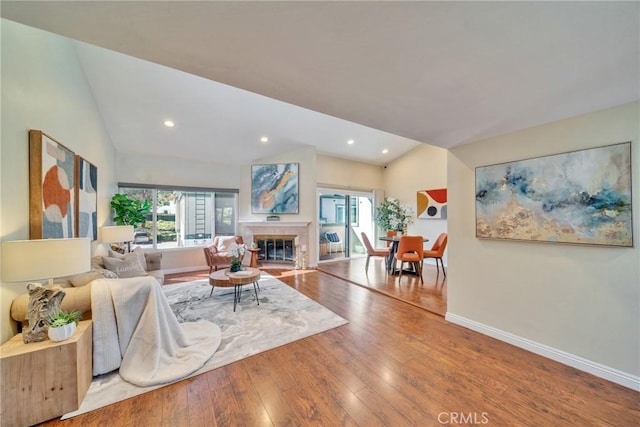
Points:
(226, 279)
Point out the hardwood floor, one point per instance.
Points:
(394, 364)
(430, 295)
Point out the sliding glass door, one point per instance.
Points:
(342, 217)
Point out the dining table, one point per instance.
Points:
(391, 259)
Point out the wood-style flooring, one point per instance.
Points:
(430, 295)
(394, 364)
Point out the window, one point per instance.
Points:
(183, 216)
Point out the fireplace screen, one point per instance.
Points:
(276, 248)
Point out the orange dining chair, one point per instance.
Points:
(371, 251)
(437, 250)
(410, 250)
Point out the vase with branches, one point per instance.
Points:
(391, 215)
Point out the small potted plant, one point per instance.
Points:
(62, 324)
(237, 252)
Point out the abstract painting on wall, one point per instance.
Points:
(274, 188)
(86, 199)
(51, 188)
(432, 204)
(579, 197)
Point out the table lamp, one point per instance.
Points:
(117, 234)
(25, 260)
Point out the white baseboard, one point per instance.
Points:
(597, 369)
(186, 269)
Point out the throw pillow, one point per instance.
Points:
(116, 254)
(154, 260)
(96, 263)
(128, 267)
(82, 279)
(136, 253)
(225, 242)
(117, 249)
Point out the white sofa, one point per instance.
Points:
(78, 286)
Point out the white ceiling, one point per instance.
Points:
(443, 73)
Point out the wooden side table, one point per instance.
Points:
(254, 257)
(46, 379)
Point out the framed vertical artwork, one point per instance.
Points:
(581, 197)
(432, 204)
(51, 188)
(274, 188)
(86, 192)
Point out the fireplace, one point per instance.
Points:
(276, 248)
(277, 239)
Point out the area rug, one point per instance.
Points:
(283, 316)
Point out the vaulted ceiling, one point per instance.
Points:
(385, 74)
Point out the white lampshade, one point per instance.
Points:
(24, 260)
(117, 233)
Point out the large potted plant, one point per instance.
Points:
(129, 211)
(391, 215)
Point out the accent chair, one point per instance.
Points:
(217, 254)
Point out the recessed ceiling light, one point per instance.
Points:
(169, 123)
(264, 139)
(350, 142)
(385, 151)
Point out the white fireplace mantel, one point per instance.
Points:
(272, 224)
(299, 229)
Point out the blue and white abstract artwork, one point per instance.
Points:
(274, 188)
(578, 197)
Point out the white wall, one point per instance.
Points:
(581, 300)
(423, 168)
(333, 172)
(143, 168)
(43, 87)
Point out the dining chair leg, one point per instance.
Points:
(366, 266)
(442, 262)
(419, 270)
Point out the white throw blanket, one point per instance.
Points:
(135, 330)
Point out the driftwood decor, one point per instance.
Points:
(43, 301)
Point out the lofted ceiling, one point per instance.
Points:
(385, 74)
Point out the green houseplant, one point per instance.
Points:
(129, 211)
(391, 215)
(62, 324)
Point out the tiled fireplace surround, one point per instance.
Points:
(282, 229)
